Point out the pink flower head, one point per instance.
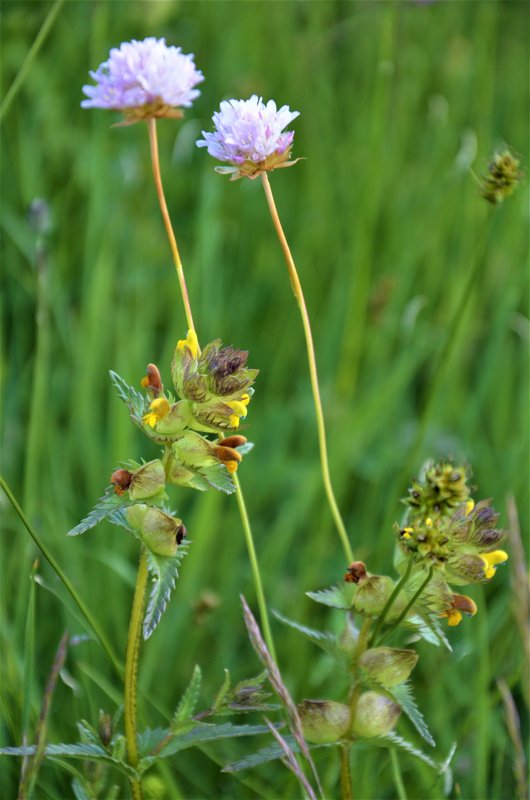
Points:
(144, 79)
(249, 134)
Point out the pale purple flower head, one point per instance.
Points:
(144, 79)
(249, 134)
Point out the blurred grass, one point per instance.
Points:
(385, 222)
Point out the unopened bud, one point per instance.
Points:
(388, 665)
(105, 728)
(233, 441)
(375, 715)
(153, 380)
(324, 721)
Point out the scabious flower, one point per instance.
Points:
(250, 136)
(143, 80)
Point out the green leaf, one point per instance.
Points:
(105, 507)
(219, 478)
(135, 401)
(340, 596)
(323, 639)
(429, 629)
(188, 701)
(394, 742)
(149, 738)
(270, 753)
(203, 733)
(79, 790)
(402, 694)
(86, 752)
(164, 571)
(221, 695)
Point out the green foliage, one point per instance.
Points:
(164, 571)
(384, 221)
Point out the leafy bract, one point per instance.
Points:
(104, 508)
(164, 572)
(339, 596)
(402, 694)
(188, 701)
(323, 639)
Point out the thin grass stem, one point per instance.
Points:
(32, 54)
(155, 161)
(398, 779)
(321, 427)
(131, 671)
(98, 632)
(254, 564)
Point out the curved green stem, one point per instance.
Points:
(131, 671)
(311, 358)
(85, 611)
(258, 586)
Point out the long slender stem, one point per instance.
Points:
(153, 143)
(346, 790)
(260, 595)
(85, 611)
(299, 295)
(131, 671)
(396, 772)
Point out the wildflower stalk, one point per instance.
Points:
(299, 295)
(155, 161)
(396, 772)
(153, 141)
(346, 791)
(131, 671)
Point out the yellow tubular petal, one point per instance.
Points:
(144, 382)
(160, 407)
(191, 342)
(454, 618)
(231, 466)
(470, 505)
(233, 421)
(245, 399)
(238, 407)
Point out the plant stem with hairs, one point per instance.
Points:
(315, 388)
(131, 671)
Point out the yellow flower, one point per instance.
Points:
(191, 342)
(239, 407)
(492, 561)
(159, 408)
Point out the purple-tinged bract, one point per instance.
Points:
(144, 79)
(249, 134)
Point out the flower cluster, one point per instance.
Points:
(445, 530)
(249, 135)
(144, 79)
(504, 175)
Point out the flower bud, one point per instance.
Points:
(152, 381)
(159, 531)
(375, 715)
(503, 177)
(148, 480)
(121, 479)
(324, 721)
(388, 665)
(105, 728)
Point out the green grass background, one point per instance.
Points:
(389, 233)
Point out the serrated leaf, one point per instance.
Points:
(90, 752)
(244, 449)
(135, 401)
(339, 596)
(222, 693)
(79, 790)
(164, 572)
(429, 629)
(219, 478)
(203, 733)
(188, 701)
(105, 507)
(323, 639)
(149, 738)
(394, 742)
(402, 694)
(270, 753)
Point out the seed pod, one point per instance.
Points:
(388, 665)
(375, 715)
(159, 531)
(147, 480)
(324, 721)
(372, 594)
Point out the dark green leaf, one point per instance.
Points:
(164, 571)
(339, 596)
(188, 701)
